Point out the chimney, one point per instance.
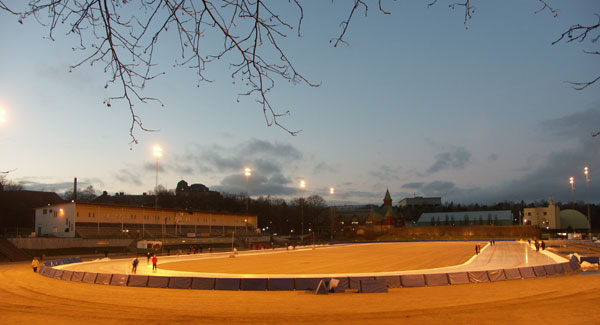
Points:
(75, 190)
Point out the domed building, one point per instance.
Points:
(573, 219)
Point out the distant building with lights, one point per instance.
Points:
(358, 217)
(466, 218)
(420, 201)
(551, 217)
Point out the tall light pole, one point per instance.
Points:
(302, 186)
(572, 182)
(157, 154)
(332, 212)
(587, 198)
(247, 173)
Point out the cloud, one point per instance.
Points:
(276, 184)
(549, 178)
(269, 161)
(579, 125)
(129, 177)
(58, 187)
(413, 185)
(385, 173)
(323, 167)
(455, 159)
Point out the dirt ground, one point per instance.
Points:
(28, 298)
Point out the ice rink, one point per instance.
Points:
(355, 260)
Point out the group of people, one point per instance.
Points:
(540, 244)
(477, 249)
(149, 257)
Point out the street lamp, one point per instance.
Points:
(332, 212)
(157, 154)
(302, 186)
(587, 198)
(572, 182)
(247, 173)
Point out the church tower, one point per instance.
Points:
(387, 200)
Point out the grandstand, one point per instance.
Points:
(87, 220)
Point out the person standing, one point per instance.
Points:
(135, 263)
(154, 261)
(35, 264)
(148, 255)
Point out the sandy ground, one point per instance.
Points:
(28, 298)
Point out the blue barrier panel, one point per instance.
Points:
(478, 276)
(558, 269)
(345, 282)
(590, 259)
(527, 272)
(281, 284)
(539, 270)
(203, 283)
(549, 269)
(412, 280)
(178, 282)
(254, 284)
(307, 283)
(354, 282)
(227, 284)
(66, 261)
(119, 279)
(57, 262)
(158, 282)
(67, 275)
(322, 288)
(393, 281)
(372, 286)
(44, 270)
(58, 274)
(439, 279)
(512, 274)
(77, 259)
(77, 276)
(89, 277)
(103, 278)
(496, 275)
(51, 272)
(48, 263)
(138, 281)
(574, 263)
(458, 278)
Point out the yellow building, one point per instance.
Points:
(89, 220)
(544, 217)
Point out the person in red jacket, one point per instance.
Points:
(154, 261)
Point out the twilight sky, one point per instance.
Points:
(416, 103)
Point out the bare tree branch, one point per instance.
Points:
(546, 6)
